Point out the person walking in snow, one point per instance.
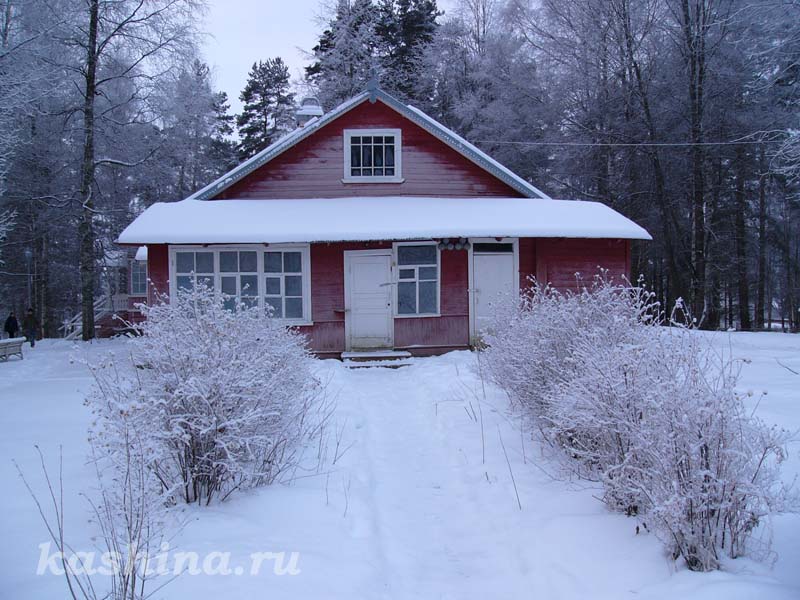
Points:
(30, 326)
(12, 326)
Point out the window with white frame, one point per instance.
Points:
(238, 277)
(417, 279)
(372, 155)
(138, 278)
(283, 283)
(191, 267)
(276, 278)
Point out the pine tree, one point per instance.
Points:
(405, 29)
(346, 55)
(268, 106)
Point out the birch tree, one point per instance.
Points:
(115, 40)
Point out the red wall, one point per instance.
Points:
(557, 260)
(552, 260)
(314, 167)
(449, 331)
(157, 271)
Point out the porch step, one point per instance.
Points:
(376, 358)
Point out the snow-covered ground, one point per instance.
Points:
(422, 503)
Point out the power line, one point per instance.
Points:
(630, 144)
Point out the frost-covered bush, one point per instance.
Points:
(650, 412)
(223, 400)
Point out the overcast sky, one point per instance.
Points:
(244, 31)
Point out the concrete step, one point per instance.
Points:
(376, 358)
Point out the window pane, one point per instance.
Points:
(377, 172)
(389, 155)
(366, 156)
(205, 262)
(250, 302)
(294, 308)
(273, 287)
(248, 262)
(356, 139)
(273, 306)
(293, 285)
(388, 172)
(249, 285)
(229, 262)
(184, 262)
(205, 282)
(272, 262)
(292, 262)
(229, 304)
(407, 298)
(406, 273)
(377, 156)
(377, 139)
(367, 139)
(492, 247)
(355, 172)
(427, 272)
(184, 282)
(416, 255)
(366, 172)
(427, 297)
(229, 285)
(355, 156)
(389, 140)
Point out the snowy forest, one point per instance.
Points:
(681, 114)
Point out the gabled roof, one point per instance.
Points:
(416, 116)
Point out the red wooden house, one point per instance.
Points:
(375, 227)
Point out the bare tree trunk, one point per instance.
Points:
(740, 237)
(762, 240)
(86, 228)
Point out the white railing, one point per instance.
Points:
(72, 328)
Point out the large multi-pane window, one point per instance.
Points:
(275, 279)
(372, 155)
(417, 279)
(283, 283)
(138, 278)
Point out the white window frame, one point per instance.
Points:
(304, 249)
(396, 280)
(146, 278)
(398, 156)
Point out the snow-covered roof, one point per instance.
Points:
(141, 253)
(374, 218)
(449, 137)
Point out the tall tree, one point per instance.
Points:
(115, 40)
(268, 106)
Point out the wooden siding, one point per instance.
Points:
(558, 260)
(326, 335)
(552, 260)
(315, 166)
(157, 271)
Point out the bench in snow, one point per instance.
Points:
(11, 347)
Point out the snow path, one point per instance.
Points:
(420, 505)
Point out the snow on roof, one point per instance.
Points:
(415, 115)
(374, 218)
(141, 253)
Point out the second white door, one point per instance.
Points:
(494, 275)
(368, 299)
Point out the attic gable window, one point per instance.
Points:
(372, 156)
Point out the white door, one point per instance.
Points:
(369, 322)
(493, 276)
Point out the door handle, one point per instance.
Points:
(385, 284)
